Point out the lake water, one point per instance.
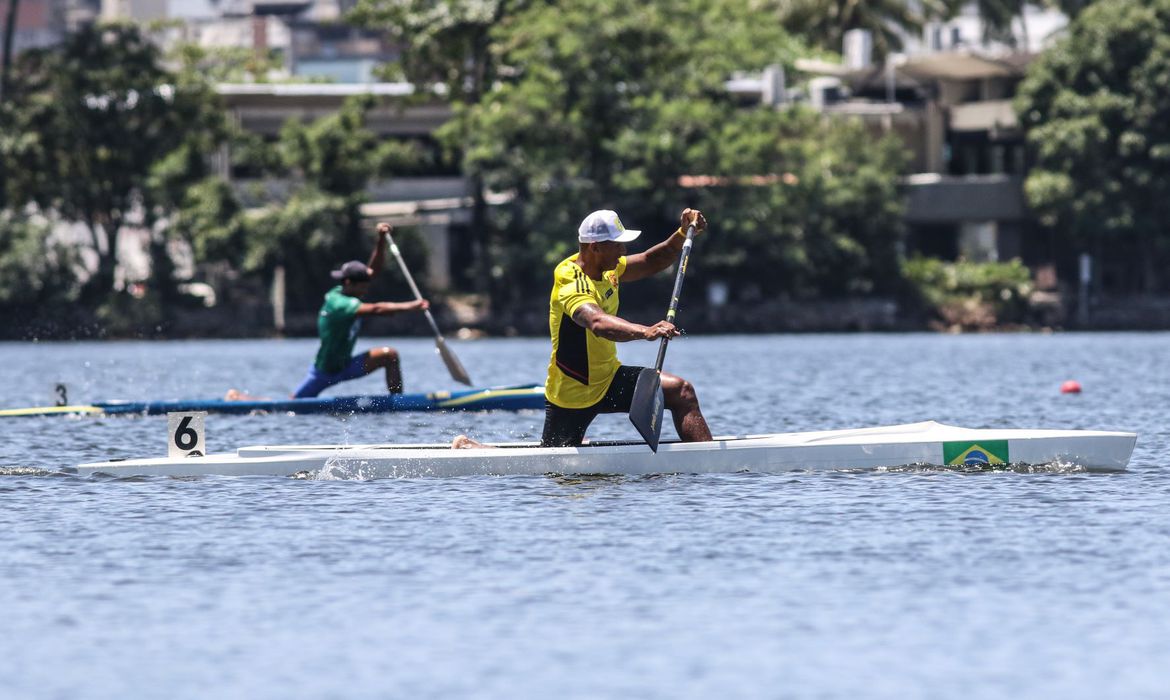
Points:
(915, 583)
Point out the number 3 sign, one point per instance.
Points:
(185, 431)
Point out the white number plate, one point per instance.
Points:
(185, 431)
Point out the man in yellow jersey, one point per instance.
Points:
(584, 375)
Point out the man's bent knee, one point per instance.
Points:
(383, 357)
(677, 389)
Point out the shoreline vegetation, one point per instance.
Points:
(126, 186)
(461, 319)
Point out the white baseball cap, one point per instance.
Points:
(604, 225)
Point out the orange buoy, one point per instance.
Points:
(1071, 386)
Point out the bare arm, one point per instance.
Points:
(378, 257)
(386, 308)
(651, 262)
(617, 329)
(658, 258)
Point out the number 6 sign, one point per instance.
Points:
(185, 432)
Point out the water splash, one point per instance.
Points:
(1014, 468)
(26, 471)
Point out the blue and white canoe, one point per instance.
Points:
(511, 398)
(914, 444)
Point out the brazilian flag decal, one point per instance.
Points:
(969, 453)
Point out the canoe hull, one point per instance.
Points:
(517, 398)
(872, 448)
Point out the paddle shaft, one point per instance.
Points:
(678, 283)
(454, 366)
(648, 402)
(410, 281)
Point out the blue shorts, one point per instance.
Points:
(317, 381)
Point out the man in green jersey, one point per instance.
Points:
(340, 320)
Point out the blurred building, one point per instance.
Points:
(41, 23)
(309, 35)
(948, 96)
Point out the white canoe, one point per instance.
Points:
(926, 443)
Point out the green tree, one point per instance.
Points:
(212, 220)
(810, 207)
(34, 272)
(608, 103)
(443, 41)
(1072, 8)
(605, 103)
(188, 165)
(1097, 115)
(88, 123)
(823, 23)
(307, 216)
(10, 15)
(451, 43)
(971, 295)
(998, 15)
(228, 64)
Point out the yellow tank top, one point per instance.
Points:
(582, 365)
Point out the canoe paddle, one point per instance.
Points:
(454, 366)
(647, 404)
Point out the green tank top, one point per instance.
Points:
(337, 326)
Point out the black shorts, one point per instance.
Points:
(565, 427)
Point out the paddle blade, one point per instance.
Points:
(454, 366)
(646, 406)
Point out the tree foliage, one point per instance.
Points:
(998, 16)
(567, 107)
(1097, 114)
(306, 213)
(6, 44)
(444, 41)
(33, 269)
(234, 64)
(971, 295)
(603, 101)
(1072, 8)
(824, 22)
(450, 44)
(609, 103)
(807, 206)
(89, 123)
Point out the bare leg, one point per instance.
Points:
(237, 395)
(386, 357)
(683, 403)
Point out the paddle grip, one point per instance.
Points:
(672, 311)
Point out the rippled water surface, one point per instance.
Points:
(915, 583)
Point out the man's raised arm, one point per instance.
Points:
(378, 257)
(658, 258)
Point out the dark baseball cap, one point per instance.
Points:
(354, 270)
